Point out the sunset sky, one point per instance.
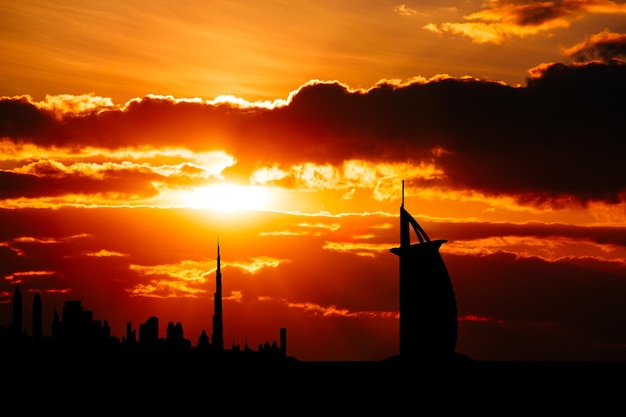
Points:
(134, 135)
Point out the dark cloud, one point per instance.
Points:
(20, 119)
(505, 19)
(606, 235)
(558, 137)
(532, 290)
(604, 47)
(131, 184)
(534, 14)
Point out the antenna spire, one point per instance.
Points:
(402, 194)
(218, 325)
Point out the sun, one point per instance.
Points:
(227, 197)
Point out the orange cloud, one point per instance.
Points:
(18, 277)
(504, 19)
(105, 253)
(403, 10)
(257, 264)
(604, 46)
(183, 279)
(360, 249)
(330, 311)
(65, 104)
(547, 248)
(443, 136)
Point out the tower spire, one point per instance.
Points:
(218, 325)
(406, 222)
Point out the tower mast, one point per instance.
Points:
(218, 325)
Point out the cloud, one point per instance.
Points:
(502, 19)
(403, 10)
(561, 293)
(255, 265)
(358, 248)
(327, 311)
(130, 185)
(84, 104)
(604, 47)
(183, 279)
(168, 268)
(448, 134)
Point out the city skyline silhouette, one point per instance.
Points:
(133, 134)
(115, 203)
(427, 332)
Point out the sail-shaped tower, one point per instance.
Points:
(428, 311)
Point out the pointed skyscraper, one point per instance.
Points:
(218, 325)
(428, 312)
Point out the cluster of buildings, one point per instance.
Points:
(428, 315)
(75, 330)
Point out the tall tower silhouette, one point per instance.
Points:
(218, 324)
(16, 324)
(37, 319)
(428, 311)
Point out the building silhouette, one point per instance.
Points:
(37, 318)
(75, 332)
(218, 322)
(131, 334)
(78, 329)
(428, 311)
(174, 336)
(427, 306)
(15, 329)
(149, 331)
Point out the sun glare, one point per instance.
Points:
(228, 197)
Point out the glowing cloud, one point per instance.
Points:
(504, 19)
(604, 47)
(330, 311)
(257, 264)
(360, 249)
(183, 279)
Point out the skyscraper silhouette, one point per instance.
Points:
(37, 319)
(149, 331)
(428, 312)
(16, 324)
(218, 325)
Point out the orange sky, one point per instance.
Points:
(131, 136)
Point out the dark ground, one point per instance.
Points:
(84, 387)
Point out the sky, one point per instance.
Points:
(135, 137)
